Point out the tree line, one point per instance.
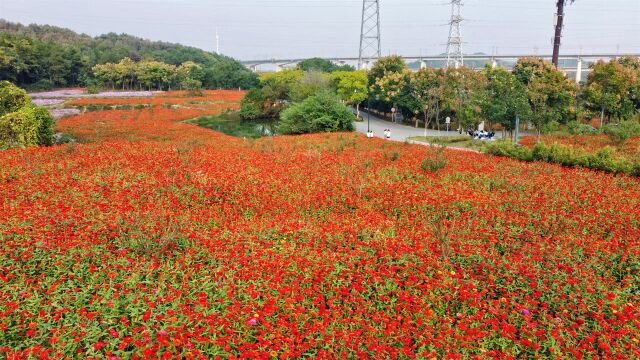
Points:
(310, 98)
(536, 91)
(149, 74)
(44, 57)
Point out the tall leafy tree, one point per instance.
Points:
(189, 75)
(387, 79)
(551, 93)
(425, 93)
(462, 90)
(392, 87)
(608, 90)
(310, 83)
(505, 98)
(351, 87)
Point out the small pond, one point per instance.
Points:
(231, 124)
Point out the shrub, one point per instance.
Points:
(577, 128)
(42, 85)
(604, 159)
(322, 112)
(22, 124)
(19, 129)
(251, 105)
(508, 149)
(550, 127)
(435, 162)
(635, 166)
(622, 132)
(12, 98)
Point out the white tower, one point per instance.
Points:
(217, 42)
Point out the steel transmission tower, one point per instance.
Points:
(454, 45)
(369, 33)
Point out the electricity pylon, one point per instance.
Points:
(454, 45)
(369, 33)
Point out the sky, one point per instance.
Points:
(265, 29)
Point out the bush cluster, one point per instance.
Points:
(322, 112)
(620, 133)
(604, 159)
(22, 124)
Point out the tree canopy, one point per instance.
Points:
(551, 93)
(613, 87)
(38, 56)
(322, 65)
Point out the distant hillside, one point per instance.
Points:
(44, 56)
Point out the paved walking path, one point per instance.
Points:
(398, 132)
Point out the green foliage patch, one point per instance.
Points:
(322, 112)
(22, 124)
(604, 159)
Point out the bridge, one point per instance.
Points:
(573, 65)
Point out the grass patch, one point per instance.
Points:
(464, 142)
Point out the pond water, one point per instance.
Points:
(235, 127)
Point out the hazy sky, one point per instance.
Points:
(260, 29)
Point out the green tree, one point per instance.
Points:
(425, 90)
(252, 106)
(392, 88)
(385, 65)
(462, 93)
(351, 87)
(229, 74)
(107, 75)
(273, 97)
(155, 74)
(608, 90)
(632, 63)
(322, 65)
(505, 98)
(188, 76)
(322, 112)
(551, 94)
(310, 83)
(125, 73)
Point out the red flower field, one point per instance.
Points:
(152, 238)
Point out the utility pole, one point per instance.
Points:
(369, 33)
(454, 45)
(557, 40)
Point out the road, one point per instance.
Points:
(398, 132)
